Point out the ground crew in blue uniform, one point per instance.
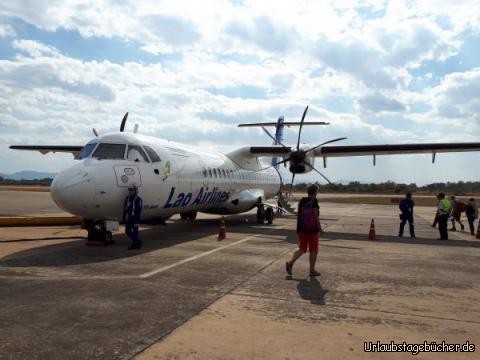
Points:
(132, 211)
(444, 209)
(406, 207)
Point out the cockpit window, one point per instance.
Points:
(153, 155)
(136, 153)
(109, 151)
(86, 151)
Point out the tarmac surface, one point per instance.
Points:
(26, 203)
(186, 295)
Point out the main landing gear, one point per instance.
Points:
(265, 214)
(191, 215)
(100, 231)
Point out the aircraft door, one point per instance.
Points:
(204, 174)
(127, 175)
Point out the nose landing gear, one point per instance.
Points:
(99, 232)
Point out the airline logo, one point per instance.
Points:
(203, 197)
(166, 171)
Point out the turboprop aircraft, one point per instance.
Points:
(175, 178)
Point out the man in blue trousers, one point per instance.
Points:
(132, 211)
(406, 207)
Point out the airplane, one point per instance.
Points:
(174, 178)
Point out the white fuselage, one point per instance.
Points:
(180, 179)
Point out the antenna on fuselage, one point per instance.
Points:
(95, 132)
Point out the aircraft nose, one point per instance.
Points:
(73, 191)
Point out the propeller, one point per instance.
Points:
(298, 157)
(301, 126)
(124, 121)
(318, 172)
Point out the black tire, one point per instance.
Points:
(269, 215)
(192, 215)
(108, 237)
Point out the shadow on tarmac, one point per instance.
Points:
(310, 289)
(332, 235)
(178, 232)
(154, 238)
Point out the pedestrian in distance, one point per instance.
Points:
(471, 211)
(457, 208)
(308, 230)
(406, 208)
(132, 212)
(443, 210)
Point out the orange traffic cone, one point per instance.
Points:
(221, 231)
(371, 234)
(478, 230)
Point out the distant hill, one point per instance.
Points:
(28, 175)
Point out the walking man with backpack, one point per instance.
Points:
(308, 230)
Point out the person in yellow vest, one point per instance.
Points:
(444, 209)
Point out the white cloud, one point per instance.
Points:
(7, 30)
(379, 103)
(35, 48)
(251, 61)
(457, 96)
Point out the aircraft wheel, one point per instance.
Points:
(108, 237)
(269, 215)
(188, 215)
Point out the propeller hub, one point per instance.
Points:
(297, 156)
(297, 161)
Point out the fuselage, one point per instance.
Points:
(171, 178)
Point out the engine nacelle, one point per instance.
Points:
(301, 162)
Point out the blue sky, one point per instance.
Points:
(378, 71)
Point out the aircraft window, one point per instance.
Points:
(204, 173)
(210, 172)
(215, 172)
(135, 153)
(110, 151)
(86, 151)
(224, 173)
(153, 155)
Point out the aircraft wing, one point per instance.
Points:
(44, 149)
(362, 150)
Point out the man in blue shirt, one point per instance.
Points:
(406, 207)
(132, 211)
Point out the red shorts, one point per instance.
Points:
(310, 241)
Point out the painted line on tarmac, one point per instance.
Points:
(198, 256)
